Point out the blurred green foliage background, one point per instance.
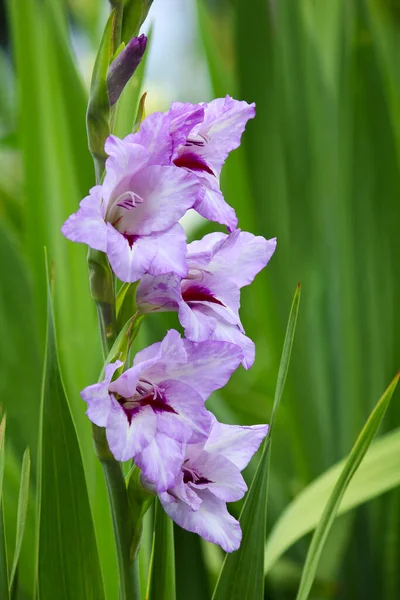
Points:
(319, 168)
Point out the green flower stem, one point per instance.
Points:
(122, 523)
(102, 289)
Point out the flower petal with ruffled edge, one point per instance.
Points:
(161, 293)
(237, 443)
(157, 254)
(98, 398)
(191, 421)
(208, 367)
(211, 520)
(161, 461)
(127, 439)
(224, 478)
(241, 257)
(87, 225)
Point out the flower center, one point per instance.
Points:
(119, 214)
(146, 394)
(190, 475)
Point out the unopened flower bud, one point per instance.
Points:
(123, 67)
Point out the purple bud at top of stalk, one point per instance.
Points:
(124, 66)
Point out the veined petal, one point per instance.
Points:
(87, 225)
(227, 332)
(182, 492)
(198, 326)
(166, 193)
(126, 383)
(158, 294)
(212, 520)
(216, 291)
(191, 421)
(156, 254)
(224, 122)
(170, 350)
(126, 439)
(235, 442)
(226, 481)
(242, 256)
(212, 205)
(208, 367)
(98, 398)
(201, 252)
(161, 461)
(125, 158)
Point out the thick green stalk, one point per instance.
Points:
(121, 517)
(102, 289)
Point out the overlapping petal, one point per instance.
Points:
(237, 443)
(211, 520)
(87, 225)
(158, 253)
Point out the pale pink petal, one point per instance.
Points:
(171, 349)
(164, 193)
(241, 257)
(225, 479)
(227, 332)
(157, 254)
(237, 443)
(191, 421)
(211, 521)
(124, 160)
(158, 294)
(224, 122)
(98, 398)
(200, 252)
(87, 224)
(198, 327)
(209, 365)
(126, 439)
(182, 492)
(212, 205)
(161, 461)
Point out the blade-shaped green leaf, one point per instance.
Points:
(242, 574)
(22, 510)
(162, 566)
(356, 455)
(190, 568)
(378, 473)
(66, 535)
(4, 593)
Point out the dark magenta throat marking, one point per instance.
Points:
(158, 405)
(190, 477)
(189, 160)
(130, 238)
(197, 293)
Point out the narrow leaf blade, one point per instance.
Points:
(3, 550)
(242, 573)
(378, 473)
(66, 534)
(22, 511)
(356, 455)
(162, 566)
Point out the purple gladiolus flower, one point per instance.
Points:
(133, 216)
(157, 407)
(123, 67)
(208, 298)
(209, 477)
(198, 139)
